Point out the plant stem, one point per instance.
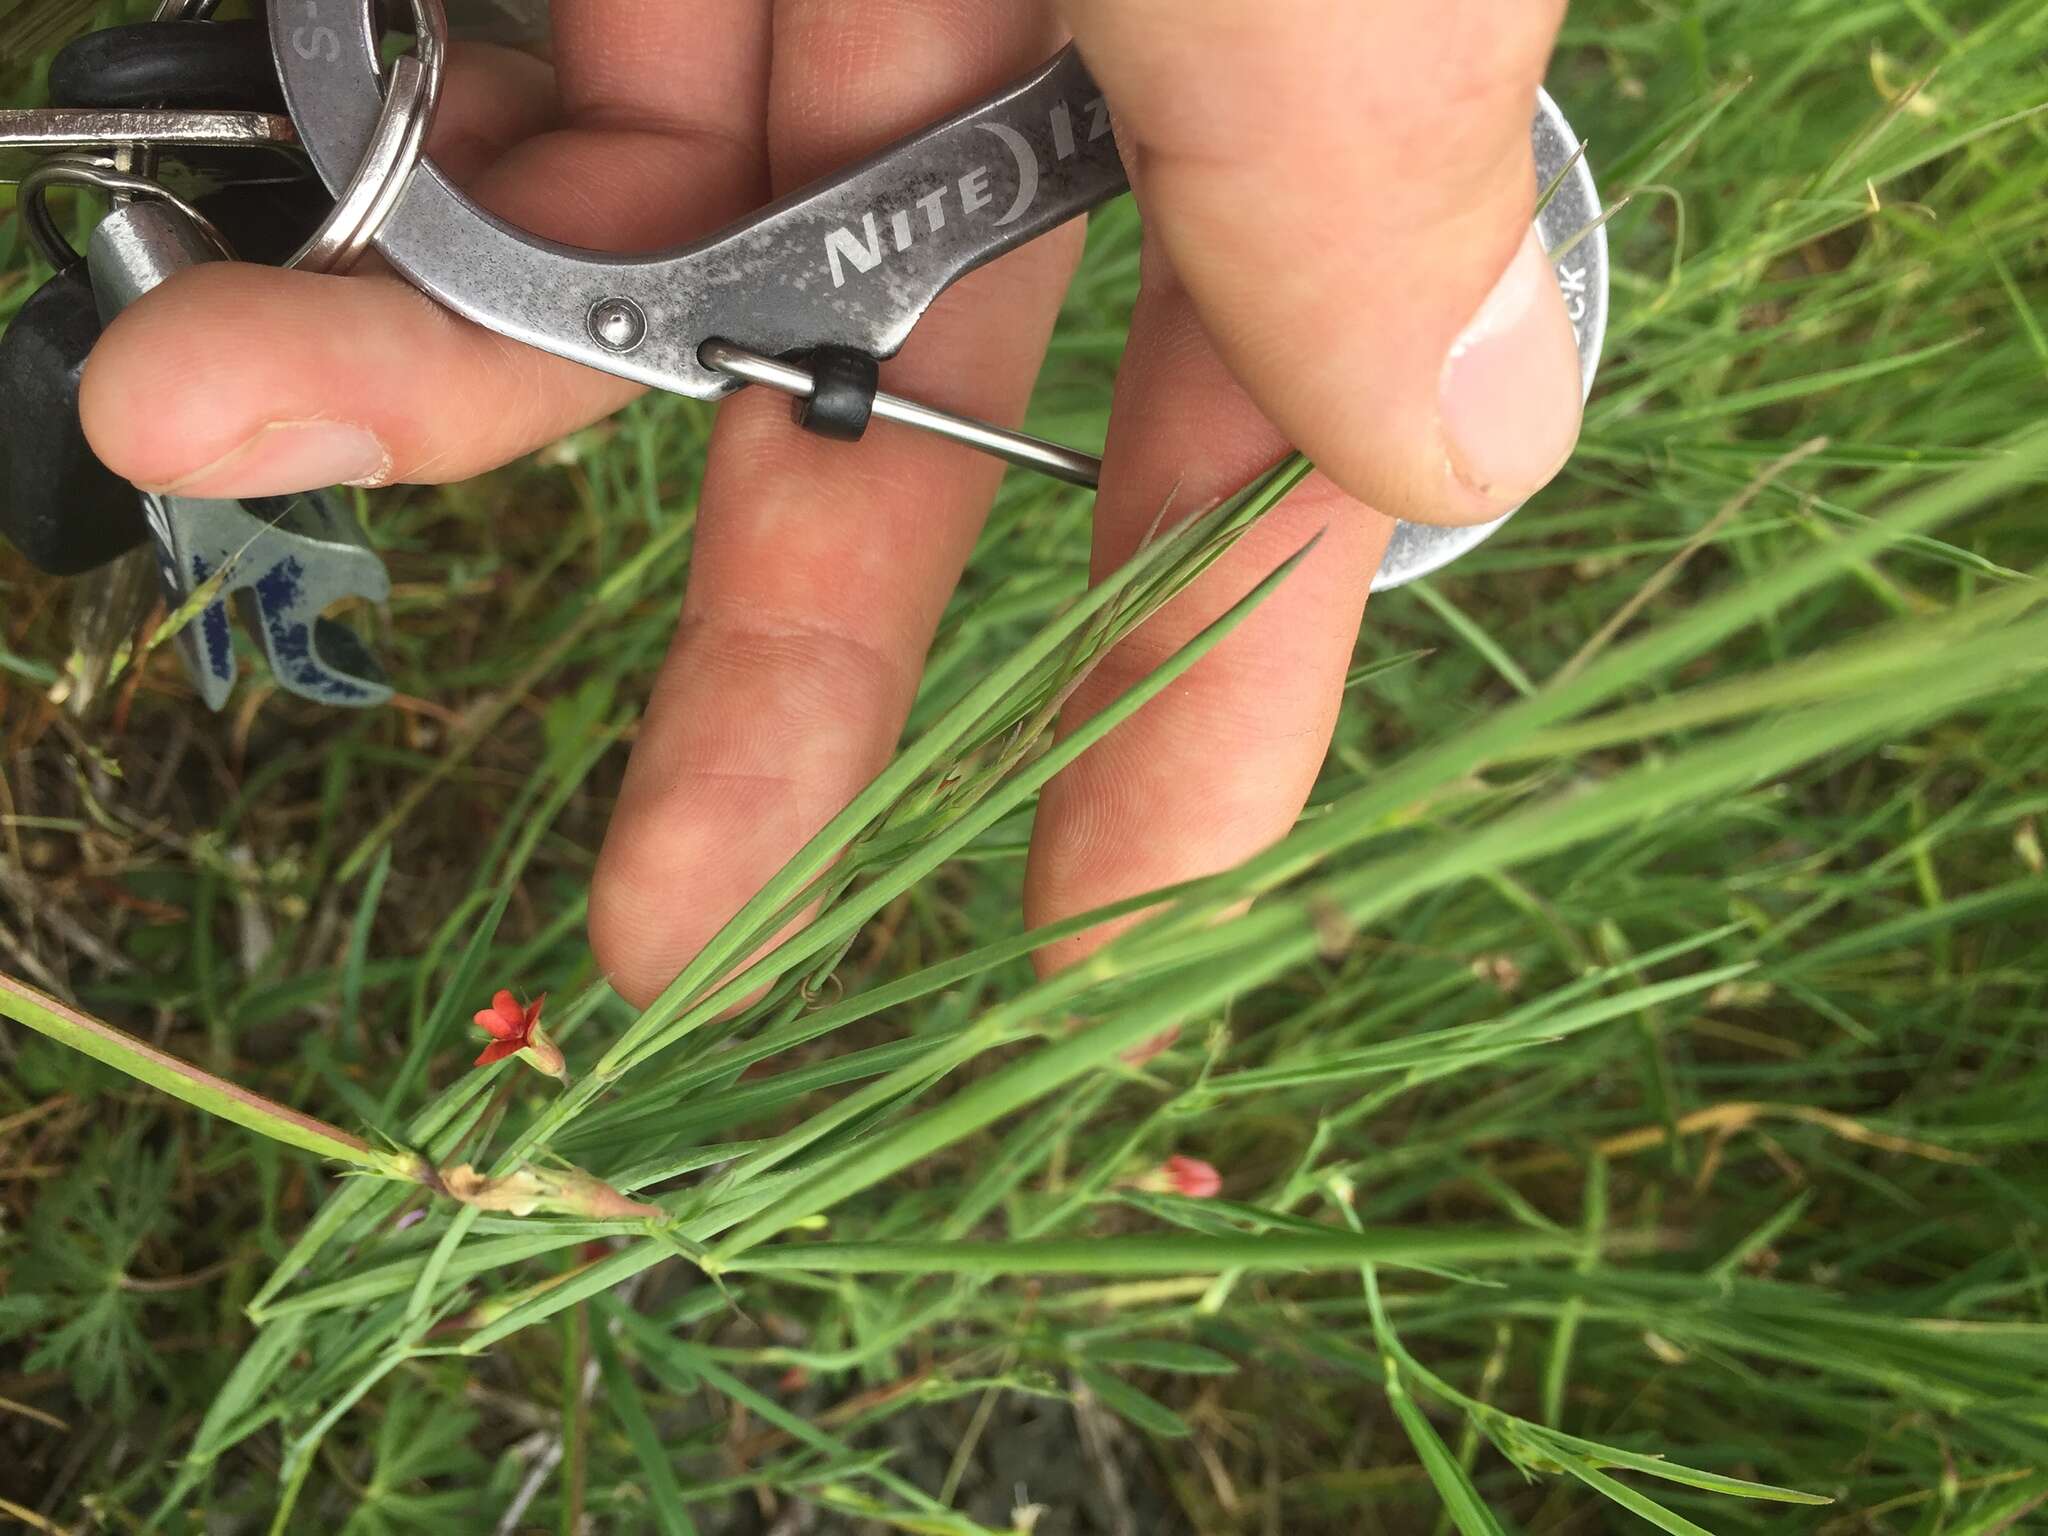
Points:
(180, 1079)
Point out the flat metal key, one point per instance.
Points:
(29, 133)
(847, 266)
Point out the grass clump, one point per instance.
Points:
(1625, 1081)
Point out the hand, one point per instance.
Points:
(1333, 191)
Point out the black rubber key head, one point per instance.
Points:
(192, 64)
(62, 508)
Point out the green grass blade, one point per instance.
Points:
(1629, 1499)
(622, 1397)
(1671, 1472)
(1178, 1254)
(1128, 1403)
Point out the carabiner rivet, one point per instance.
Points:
(617, 325)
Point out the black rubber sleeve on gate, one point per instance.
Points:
(190, 65)
(843, 403)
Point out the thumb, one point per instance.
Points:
(1347, 188)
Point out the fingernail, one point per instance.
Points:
(286, 457)
(1510, 392)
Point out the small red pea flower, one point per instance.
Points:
(516, 1031)
(510, 1026)
(1192, 1177)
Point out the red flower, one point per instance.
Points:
(515, 1030)
(1192, 1177)
(510, 1026)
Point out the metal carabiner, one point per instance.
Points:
(850, 263)
(379, 176)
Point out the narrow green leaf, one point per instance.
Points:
(1178, 1254)
(1561, 1444)
(2002, 1516)
(344, 1205)
(1660, 650)
(359, 945)
(259, 1366)
(234, 1413)
(1454, 1485)
(459, 994)
(622, 1397)
(1467, 629)
(1759, 1241)
(600, 1277)
(1540, 1024)
(1127, 1402)
(1047, 1070)
(1557, 1367)
(299, 1452)
(1629, 1499)
(1161, 1355)
(430, 1273)
(690, 1364)
(399, 1276)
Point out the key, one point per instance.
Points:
(281, 563)
(265, 146)
(65, 511)
(285, 559)
(131, 91)
(195, 105)
(200, 64)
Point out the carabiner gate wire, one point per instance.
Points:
(1020, 449)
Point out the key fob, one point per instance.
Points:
(195, 64)
(62, 508)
